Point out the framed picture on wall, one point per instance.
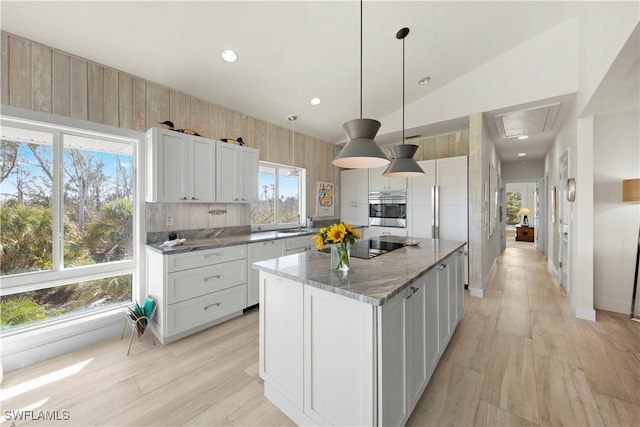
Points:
(325, 198)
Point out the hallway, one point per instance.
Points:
(520, 357)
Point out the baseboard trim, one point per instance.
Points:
(586, 313)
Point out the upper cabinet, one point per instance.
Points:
(187, 168)
(378, 182)
(180, 167)
(236, 173)
(354, 184)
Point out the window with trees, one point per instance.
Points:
(514, 203)
(280, 200)
(67, 222)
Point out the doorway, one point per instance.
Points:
(518, 196)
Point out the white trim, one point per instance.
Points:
(613, 304)
(553, 270)
(476, 292)
(44, 343)
(586, 313)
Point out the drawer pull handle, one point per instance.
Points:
(442, 267)
(215, 304)
(211, 255)
(409, 292)
(206, 279)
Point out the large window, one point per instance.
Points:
(67, 222)
(281, 196)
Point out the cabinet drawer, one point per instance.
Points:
(299, 242)
(186, 284)
(207, 257)
(199, 311)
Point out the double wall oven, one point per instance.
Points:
(388, 208)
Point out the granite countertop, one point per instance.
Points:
(374, 280)
(240, 239)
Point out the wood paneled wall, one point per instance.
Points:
(41, 78)
(438, 147)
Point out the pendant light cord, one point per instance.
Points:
(403, 90)
(361, 59)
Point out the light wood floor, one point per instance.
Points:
(518, 357)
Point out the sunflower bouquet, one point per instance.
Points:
(340, 235)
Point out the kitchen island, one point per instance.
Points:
(357, 348)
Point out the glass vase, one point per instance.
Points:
(340, 257)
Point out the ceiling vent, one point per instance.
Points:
(527, 122)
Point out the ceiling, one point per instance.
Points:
(292, 51)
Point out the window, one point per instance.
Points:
(281, 196)
(67, 222)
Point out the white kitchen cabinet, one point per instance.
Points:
(348, 362)
(260, 251)
(236, 173)
(196, 290)
(281, 339)
(354, 207)
(431, 321)
(180, 167)
(379, 182)
(296, 245)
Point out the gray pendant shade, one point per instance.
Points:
(403, 165)
(361, 151)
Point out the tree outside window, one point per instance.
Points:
(279, 195)
(514, 203)
(94, 184)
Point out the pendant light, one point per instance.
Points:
(361, 151)
(293, 172)
(403, 165)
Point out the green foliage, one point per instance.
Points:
(514, 203)
(25, 238)
(21, 310)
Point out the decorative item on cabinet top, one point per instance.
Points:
(186, 131)
(237, 141)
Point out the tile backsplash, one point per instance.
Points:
(191, 216)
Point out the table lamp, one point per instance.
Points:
(631, 193)
(524, 212)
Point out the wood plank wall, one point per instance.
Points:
(40, 78)
(438, 147)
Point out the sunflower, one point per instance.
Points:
(352, 230)
(337, 233)
(319, 241)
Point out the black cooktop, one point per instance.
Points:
(370, 248)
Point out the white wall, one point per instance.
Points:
(566, 140)
(616, 224)
(530, 169)
(602, 31)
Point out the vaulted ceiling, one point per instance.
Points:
(291, 51)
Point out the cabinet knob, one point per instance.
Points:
(459, 253)
(235, 200)
(195, 198)
(183, 198)
(442, 267)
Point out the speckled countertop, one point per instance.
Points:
(199, 244)
(374, 280)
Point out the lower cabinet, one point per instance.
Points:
(296, 245)
(327, 359)
(195, 290)
(260, 251)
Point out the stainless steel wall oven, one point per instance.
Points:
(388, 208)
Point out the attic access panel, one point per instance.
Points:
(527, 122)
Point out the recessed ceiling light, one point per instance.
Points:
(523, 137)
(316, 101)
(229, 55)
(522, 154)
(424, 81)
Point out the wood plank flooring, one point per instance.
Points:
(518, 357)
